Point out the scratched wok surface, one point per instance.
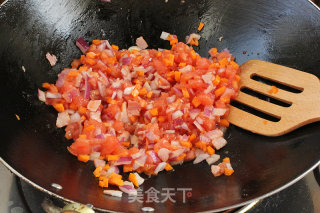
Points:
(286, 32)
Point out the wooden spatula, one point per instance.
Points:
(304, 109)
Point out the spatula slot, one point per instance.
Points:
(289, 88)
(264, 97)
(254, 111)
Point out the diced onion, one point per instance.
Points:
(200, 158)
(63, 119)
(160, 167)
(41, 95)
(163, 154)
(198, 126)
(164, 35)
(82, 45)
(128, 188)
(115, 193)
(141, 43)
(212, 159)
(53, 95)
(219, 143)
(177, 114)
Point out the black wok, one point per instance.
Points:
(286, 32)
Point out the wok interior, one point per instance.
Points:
(285, 34)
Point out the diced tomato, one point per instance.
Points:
(109, 145)
(80, 147)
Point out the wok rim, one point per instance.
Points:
(250, 203)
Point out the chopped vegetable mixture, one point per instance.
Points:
(143, 110)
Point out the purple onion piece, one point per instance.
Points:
(82, 45)
(126, 60)
(100, 136)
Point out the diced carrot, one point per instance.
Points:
(73, 73)
(196, 102)
(210, 150)
(224, 80)
(90, 61)
(193, 54)
(104, 183)
(59, 107)
(265, 122)
(149, 95)
(97, 171)
(234, 65)
(84, 158)
(216, 81)
(154, 112)
(185, 93)
(223, 62)
(96, 42)
(161, 118)
(115, 47)
(110, 100)
(83, 68)
(273, 90)
(168, 167)
(220, 91)
(91, 55)
(106, 167)
(143, 91)
(111, 60)
(46, 85)
(201, 145)
(228, 172)
(89, 128)
(181, 157)
(201, 25)
(113, 157)
(140, 73)
(169, 60)
(73, 106)
(177, 75)
(225, 100)
(133, 179)
(83, 136)
(75, 63)
(135, 92)
(133, 118)
(182, 64)
(194, 42)
(192, 137)
(82, 110)
(127, 168)
(213, 51)
(186, 144)
(226, 160)
(83, 118)
(238, 78)
(170, 75)
(224, 122)
(115, 179)
(126, 143)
